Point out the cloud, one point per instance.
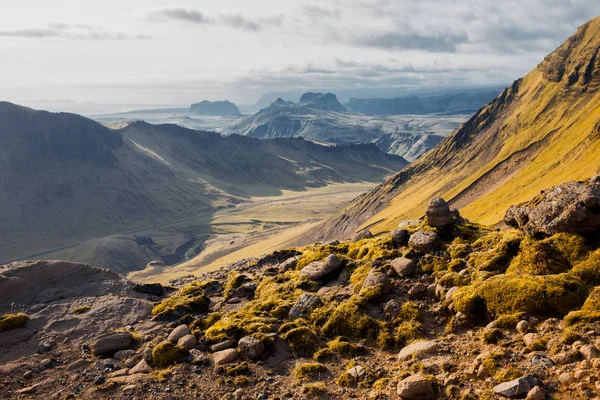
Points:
(72, 32)
(319, 12)
(412, 41)
(232, 19)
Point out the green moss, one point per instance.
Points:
(589, 313)
(166, 354)
(202, 324)
(491, 336)
(507, 374)
(324, 355)
(346, 349)
(239, 369)
(372, 249)
(434, 264)
(494, 251)
(235, 281)
(381, 384)
(467, 300)
(303, 341)
(350, 321)
(359, 275)
(450, 279)
(373, 294)
(553, 255)
(81, 310)
(309, 371)
(509, 321)
(589, 269)
(314, 389)
(408, 331)
(345, 380)
(319, 252)
(13, 321)
(459, 249)
(190, 299)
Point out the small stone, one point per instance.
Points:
(418, 350)
(375, 278)
(78, 365)
(130, 363)
(565, 358)
(124, 354)
(147, 354)
(536, 394)
(438, 213)
(240, 393)
(188, 341)
(228, 344)
(112, 342)
(530, 338)
(579, 374)
(363, 234)
(516, 387)
(417, 288)
(358, 373)
(178, 333)
(522, 327)
(320, 269)
(416, 387)
(44, 348)
(400, 237)
(392, 308)
(140, 368)
(46, 363)
(403, 266)
(304, 305)
(451, 291)
(99, 380)
(566, 378)
(129, 388)
(540, 360)
(589, 352)
(250, 347)
(289, 264)
(225, 356)
(424, 241)
(27, 375)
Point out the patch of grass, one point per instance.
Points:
(359, 275)
(589, 313)
(13, 321)
(344, 348)
(372, 249)
(81, 310)
(310, 371)
(314, 389)
(553, 255)
(303, 341)
(345, 380)
(166, 354)
(190, 299)
(589, 269)
(494, 251)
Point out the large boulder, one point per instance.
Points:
(178, 333)
(570, 207)
(111, 343)
(424, 241)
(363, 234)
(250, 347)
(400, 237)
(375, 278)
(319, 269)
(403, 266)
(304, 305)
(417, 387)
(438, 213)
(516, 387)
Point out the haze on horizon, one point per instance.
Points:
(154, 52)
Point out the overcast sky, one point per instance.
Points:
(156, 52)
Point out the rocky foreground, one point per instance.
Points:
(440, 308)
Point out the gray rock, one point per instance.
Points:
(188, 341)
(375, 278)
(140, 368)
(225, 356)
(130, 363)
(304, 305)
(124, 354)
(418, 350)
(516, 387)
(250, 348)
(319, 269)
(400, 237)
(111, 343)
(178, 333)
(228, 344)
(391, 309)
(403, 266)
(438, 213)
(416, 387)
(75, 365)
(424, 241)
(522, 327)
(570, 207)
(417, 288)
(540, 360)
(44, 348)
(289, 264)
(363, 234)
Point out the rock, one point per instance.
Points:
(289, 264)
(522, 327)
(245, 291)
(438, 213)
(178, 333)
(147, 354)
(75, 365)
(130, 363)
(540, 360)
(225, 356)
(319, 269)
(424, 241)
(129, 388)
(304, 305)
(516, 387)
(565, 358)
(44, 348)
(124, 354)
(456, 215)
(363, 234)
(403, 266)
(400, 237)
(451, 292)
(589, 352)
(416, 387)
(228, 344)
(418, 350)
(250, 348)
(570, 207)
(111, 343)
(140, 368)
(417, 288)
(566, 378)
(392, 308)
(188, 341)
(530, 338)
(358, 373)
(536, 394)
(154, 289)
(375, 278)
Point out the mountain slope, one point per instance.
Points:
(542, 130)
(66, 178)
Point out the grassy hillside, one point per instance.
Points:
(542, 130)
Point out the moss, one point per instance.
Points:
(302, 341)
(434, 264)
(507, 374)
(13, 321)
(346, 349)
(319, 252)
(569, 336)
(324, 355)
(190, 299)
(553, 255)
(202, 324)
(314, 389)
(241, 381)
(373, 294)
(345, 380)
(235, 281)
(589, 313)
(408, 331)
(381, 384)
(81, 310)
(538, 344)
(372, 249)
(350, 321)
(450, 279)
(467, 300)
(491, 336)
(494, 251)
(359, 275)
(237, 370)
(166, 354)
(589, 269)
(509, 321)
(164, 374)
(309, 371)
(459, 249)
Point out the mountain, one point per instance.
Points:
(542, 130)
(214, 108)
(412, 146)
(449, 103)
(66, 178)
(320, 101)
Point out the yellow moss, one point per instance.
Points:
(241, 381)
(381, 384)
(13, 321)
(491, 336)
(323, 355)
(459, 249)
(319, 252)
(589, 313)
(494, 251)
(371, 249)
(357, 279)
(507, 374)
(164, 374)
(509, 321)
(589, 269)
(553, 255)
(81, 310)
(350, 321)
(166, 354)
(345, 380)
(344, 348)
(302, 340)
(468, 301)
(450, 279)
(373, 294)
(235, 281)
(434, 264)
(203, 324)
(190, 299)
(407, 332)
(310, 371)
(314, 389)
(237, 370)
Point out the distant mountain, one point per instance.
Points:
(214, 108)
(451, 103)
(409, 144)
(541, 131)
(65, 178)
(320, 101)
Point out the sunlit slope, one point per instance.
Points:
(542, 130)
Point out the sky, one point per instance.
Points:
(164, 53)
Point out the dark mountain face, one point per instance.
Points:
(214, 108)
(66, 178)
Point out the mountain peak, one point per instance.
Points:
(320, 101)
(214, 108)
